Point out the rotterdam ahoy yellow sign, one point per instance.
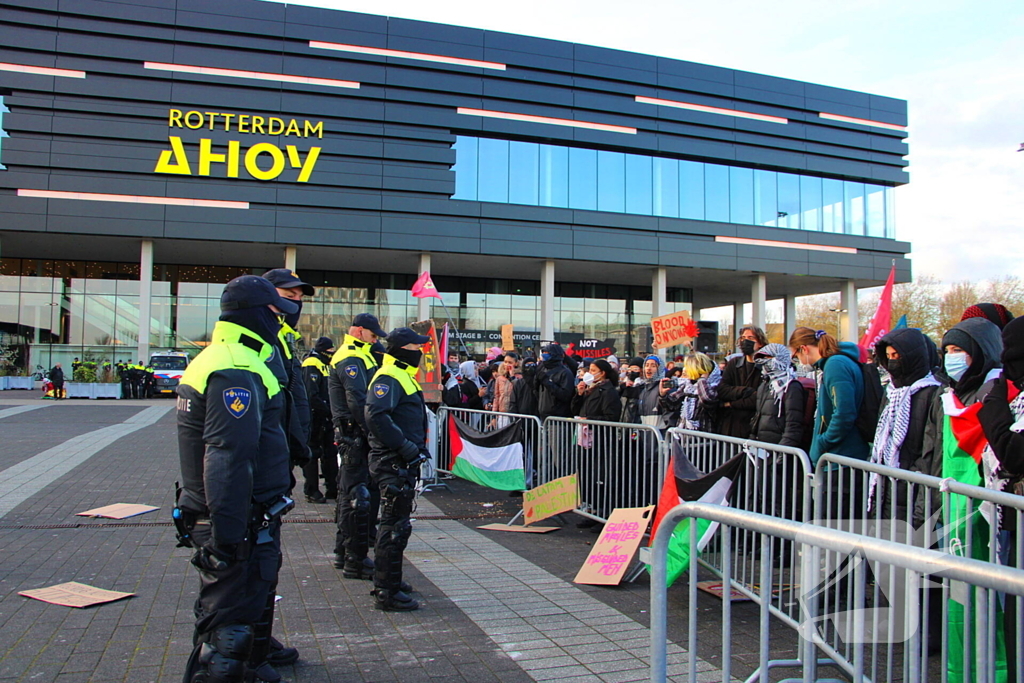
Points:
(262, 161)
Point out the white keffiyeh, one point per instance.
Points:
(776, 362)
(893, 423)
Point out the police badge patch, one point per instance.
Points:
(237, 401)
(351, 371)
(380, 390)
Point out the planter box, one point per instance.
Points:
(93, 389)
(17, 383)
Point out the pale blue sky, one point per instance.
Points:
(960, 65)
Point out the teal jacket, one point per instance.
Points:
(839, 397)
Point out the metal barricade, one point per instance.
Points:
(913, 567)
(486, 421)
(916, 509)
(774, 480)
(620, 465)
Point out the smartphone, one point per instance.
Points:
(666, 383)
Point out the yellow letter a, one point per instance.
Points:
(180, 165)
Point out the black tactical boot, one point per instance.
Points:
(280, 655)
(355, 568)
(394, 601)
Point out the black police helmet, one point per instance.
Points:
(252, 291)
(287, 279)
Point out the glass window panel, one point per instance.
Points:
(810, 203)
(40, 313)
(832, 203)
(691, 190)
(666, 187)
(465, 167)
(890, 212)
(582, 178)
(566, 303)
(493, 172)
(611, 181)
(716, 192)
(475, 299)
(524, 320)
(496, 317)
(766, 206)
(789, 200)
(474, 318)
(853, 208)
(523, 173)
(875, 210)
(569, 322)
(125, 321)
(554, 175)
(741, 195)
(639, 191)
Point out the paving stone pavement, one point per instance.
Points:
(489, 614)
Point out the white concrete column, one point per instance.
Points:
(737, 319)
(423, 305)
(659, 294)
(547, 301)
(790, 316)
(145, 298)
(758, 299)
(848, 322)
(290, 254)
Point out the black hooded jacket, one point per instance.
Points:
(555, 385)
(983, 342)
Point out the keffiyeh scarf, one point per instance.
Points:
(696, 392)
(776, 362)
(893, 423)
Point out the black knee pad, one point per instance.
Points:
(401, 533)
(233, 641)
(361, 498)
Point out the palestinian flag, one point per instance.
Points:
(494, 459)
(683, 483)
(963, 446)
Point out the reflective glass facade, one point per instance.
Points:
(53, 311)
(3, 133)
(505, 171)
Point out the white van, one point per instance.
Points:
(168, 367)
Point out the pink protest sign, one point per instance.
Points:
(609, 559)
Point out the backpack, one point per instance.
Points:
(810, 407)
(871, 406)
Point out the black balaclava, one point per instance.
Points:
(377, 351)
(915, 361)
(293, 318)
(982, 340)
(555, 355)
(1013, 351)
(407, 356)
(260, 320)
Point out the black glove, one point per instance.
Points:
(211, 558)
(999, 393)
(300, 455)
(410, 454)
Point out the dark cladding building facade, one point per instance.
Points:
(153, 150)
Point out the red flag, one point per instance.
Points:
(424, 286)
(881, 322)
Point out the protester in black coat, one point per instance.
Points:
(737, 393)
(57, 378)
(555, 384)
(780, 401)
(599, 400)
(524, 389)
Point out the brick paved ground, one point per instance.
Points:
(496, 607)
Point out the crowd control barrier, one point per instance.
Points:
(906, 657)
(916, 509)
(774, 480)
(486, 421)
(619, 465)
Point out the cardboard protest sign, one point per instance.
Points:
(117, 511)
(550, 499)
(609, 559)
(716, 589)
(520, 529)
(73, 594)
(672, 329)
(507, 341)
(429, 374)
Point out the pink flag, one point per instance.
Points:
(881, 322)
(424, 287)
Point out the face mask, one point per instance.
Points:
(529, 369)
(895, 368)
(588, 378)
(956, 365)
(407, 356)
(545, 356)
(747, 347)
(293, 318)
(634, 376)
